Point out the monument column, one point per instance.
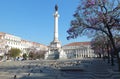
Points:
(55, 50)
(56, 16)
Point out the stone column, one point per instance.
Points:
(56, 16)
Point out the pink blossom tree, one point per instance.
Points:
(94, 16)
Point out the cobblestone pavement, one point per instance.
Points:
(44, 69)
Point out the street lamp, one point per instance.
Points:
(6, 51)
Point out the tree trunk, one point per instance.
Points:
(114, 47)
(99, 55)
(115, 52)
(112, 59)
(108, 57)
(118, 58)
(108, 53)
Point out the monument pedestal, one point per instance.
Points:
(55, 54)
(55, 51)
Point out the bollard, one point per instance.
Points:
(15, 77)
(28, 74)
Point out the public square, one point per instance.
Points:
(91, 68)
(33, 46)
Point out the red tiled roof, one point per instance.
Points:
(78, 44)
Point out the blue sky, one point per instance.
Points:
(33, 19)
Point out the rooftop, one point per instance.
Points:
(77, 44)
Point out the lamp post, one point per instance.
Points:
(6, 52)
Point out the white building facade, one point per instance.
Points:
(8, 41)
(79, 50)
